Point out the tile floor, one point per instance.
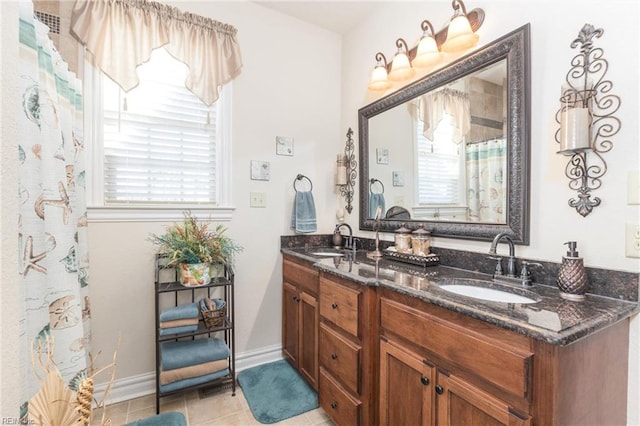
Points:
(215, 408)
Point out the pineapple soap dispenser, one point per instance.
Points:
(572, 277)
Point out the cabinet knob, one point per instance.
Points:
(334, 305)
(334, 356)
(334, 405)
(439, 390)
(424, 380)
(296, 298)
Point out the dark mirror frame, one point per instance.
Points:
(515, 47)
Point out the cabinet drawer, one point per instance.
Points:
(340, 357)
(337, 403)
(340, 305)
(498, 363)
(305, 278)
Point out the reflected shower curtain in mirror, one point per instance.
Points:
(52, 218)
(486, 183)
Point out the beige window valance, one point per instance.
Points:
(120, 35)
(431, 107)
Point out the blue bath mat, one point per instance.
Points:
(275, 392)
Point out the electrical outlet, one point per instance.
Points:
(399, 200)
(258, 199)
(632, 237)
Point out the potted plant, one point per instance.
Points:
(194, 248)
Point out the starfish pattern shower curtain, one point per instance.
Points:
(52, 222)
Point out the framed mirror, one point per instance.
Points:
(450, 152)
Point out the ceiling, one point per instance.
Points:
(336, 16)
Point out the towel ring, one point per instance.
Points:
(300, 177)
(372, 181)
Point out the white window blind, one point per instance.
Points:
(438, 165)
(161, 143)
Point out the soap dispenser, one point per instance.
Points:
(336, 239)
(572, 277)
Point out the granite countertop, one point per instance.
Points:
(552, 319)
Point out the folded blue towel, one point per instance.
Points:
(189, 310)
(375, 200)
(179, 329)
(186, 353)
(303, 218)
(180, 384)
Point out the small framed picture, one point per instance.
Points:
(382, 155)
(284, 145)
(260, 170)
(398, 178)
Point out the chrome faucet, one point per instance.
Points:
(525, 277)
(349, 239)
(511, 265)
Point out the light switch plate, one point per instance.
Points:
(633, 188)
(258, 199)
(632, 243)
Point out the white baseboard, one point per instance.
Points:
(145, 384)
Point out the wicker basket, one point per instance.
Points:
(213, 317)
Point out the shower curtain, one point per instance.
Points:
(486, 183)
(52, 221)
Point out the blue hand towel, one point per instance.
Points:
(185, 353)
(375, 200)
(303, 219)
(189, 310)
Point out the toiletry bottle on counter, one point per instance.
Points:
(572, 277)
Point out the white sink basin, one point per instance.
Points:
(489, 294)
(327, 253)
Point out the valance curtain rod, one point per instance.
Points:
(121, 34)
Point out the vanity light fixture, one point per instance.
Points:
(379, 80)
(400, 66)
(347, 171)
(427, 52)
(586, 119)
(460, 36)
(457, 36)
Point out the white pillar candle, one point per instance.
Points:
(341, 173)
(574, 129)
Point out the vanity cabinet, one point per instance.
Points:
(348, 351)
(300, 317)
(438, 367)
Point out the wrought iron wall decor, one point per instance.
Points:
(586, 118)
(351, 165)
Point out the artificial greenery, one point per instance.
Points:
(193, 242)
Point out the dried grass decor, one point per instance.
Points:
(56, 404)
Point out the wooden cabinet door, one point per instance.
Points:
(462, 404)
(290, 323)
(406, 387)
(308, 329)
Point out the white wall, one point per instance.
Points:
(289, 86)
(554, 24)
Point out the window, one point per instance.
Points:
(158, 145)
(439, 166)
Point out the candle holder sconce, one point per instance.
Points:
(586, 119)
(347, 171)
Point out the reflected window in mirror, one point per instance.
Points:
(440, 164)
